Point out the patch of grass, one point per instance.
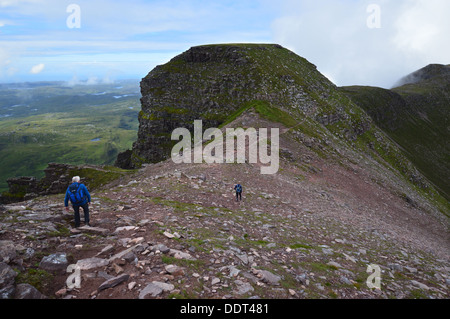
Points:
(266, 111)
(320, 267)
(96, 177)
(288, 281)
(38, 278)
(197, 243)
(273, 114)
(183, 294)
(235, 115)
(332, 295)
(178, 206)
(195, 265)
(297, 246)
(13, 197)
(418, 294)
(62, 231)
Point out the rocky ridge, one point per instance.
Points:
(212, 82)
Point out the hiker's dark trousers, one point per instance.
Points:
(238, 196)
(76, 209)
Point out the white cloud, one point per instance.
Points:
(18, 3)
(422, 30)
(116, 33)
(38, 68)
(6, 22)
(331, 34)
(7, 69)
(334, 35)
(9, 3)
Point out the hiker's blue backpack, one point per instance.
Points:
(238, 188)
(76, 194)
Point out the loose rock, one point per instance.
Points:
(110, 283)
(54, 262)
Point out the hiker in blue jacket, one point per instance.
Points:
(79, 196)
(238, 189)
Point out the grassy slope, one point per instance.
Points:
(415, 116)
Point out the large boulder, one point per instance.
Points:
(27, 291)
(7, 276)
(54, 263)
(7, 251)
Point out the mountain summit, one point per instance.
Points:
(211, 82)
(432, 72)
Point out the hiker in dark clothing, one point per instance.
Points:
(79, 196)
(238, 189)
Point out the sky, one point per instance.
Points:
(352, 42)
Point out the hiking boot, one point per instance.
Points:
(88, 225)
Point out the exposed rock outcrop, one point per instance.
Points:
(56, 180)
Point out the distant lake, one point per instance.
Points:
(96, 139)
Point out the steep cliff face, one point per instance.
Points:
(212, 82)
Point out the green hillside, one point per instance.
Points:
(49, 122)
(416, 116)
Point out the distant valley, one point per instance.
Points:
(43, 122)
